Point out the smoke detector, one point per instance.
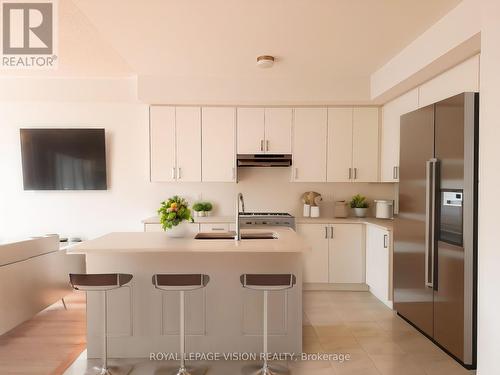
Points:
(265, 61)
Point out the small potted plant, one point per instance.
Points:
(202, 208)
(359, 205)
(172, 213)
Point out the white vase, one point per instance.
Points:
(360, 212)
(179, 231)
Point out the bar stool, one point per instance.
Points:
(266, 283)
(182, 283)
(103, 282)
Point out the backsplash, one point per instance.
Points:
(270, 189)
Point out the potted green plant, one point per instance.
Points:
(172, 213)
(360, 205)
(202, 208)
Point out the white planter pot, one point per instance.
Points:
(360, 212)
(200, 213)
(179, 231)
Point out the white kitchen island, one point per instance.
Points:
(221, 318)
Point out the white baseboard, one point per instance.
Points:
(353, 287)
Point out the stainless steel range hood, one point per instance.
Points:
(264, 160)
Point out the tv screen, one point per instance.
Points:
(63, 159)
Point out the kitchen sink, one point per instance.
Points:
(232, 234)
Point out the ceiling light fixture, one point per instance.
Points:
(265, 61)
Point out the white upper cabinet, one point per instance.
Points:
(175, 136)
(264, 130)
(250, 131)
(339, 144)
(389, 145)
(309, 145)
(278, 130)
(365, 141)
(162, 141)
(218, 144)
(347, 254)
(188, 139)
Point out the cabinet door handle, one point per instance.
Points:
(179, 173)
(394, 173)
(386, 237)
(350, 173)
(218, 229)
(397, 172)
(355, 173)
(173, 173)
(267, 145)
(331, 232)
(326, 232)
(261, 145)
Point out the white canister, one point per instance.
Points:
(314, 211)
(384, 209)
(307, 210)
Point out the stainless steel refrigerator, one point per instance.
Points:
(435, 232)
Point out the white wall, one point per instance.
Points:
(489, 203)
(131, 197)
(452, 39)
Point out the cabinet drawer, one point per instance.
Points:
(221, 227)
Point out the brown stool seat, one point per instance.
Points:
(99, 281)
(180, 281)
(264, 281)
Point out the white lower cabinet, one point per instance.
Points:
(315, 260)
(347, 254)
(336, 255)
(377, 262)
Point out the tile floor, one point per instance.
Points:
(378, 341)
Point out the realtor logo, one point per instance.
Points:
(28, 34)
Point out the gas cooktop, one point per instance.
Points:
(274, 214)
(280, 219)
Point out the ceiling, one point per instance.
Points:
(324, 48)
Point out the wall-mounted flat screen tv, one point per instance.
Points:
(63, 159)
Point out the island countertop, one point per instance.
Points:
(287, 241)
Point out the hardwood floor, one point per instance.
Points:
(48, 343)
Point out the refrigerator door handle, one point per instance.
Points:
(430, 213)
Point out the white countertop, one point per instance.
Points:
(158, 242)
(199, 220)
(383, 223)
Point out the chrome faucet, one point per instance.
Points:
(239, 199)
